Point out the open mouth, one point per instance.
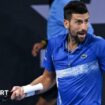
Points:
(82, 34)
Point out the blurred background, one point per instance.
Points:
(23, 23)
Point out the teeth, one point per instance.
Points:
(81, 35)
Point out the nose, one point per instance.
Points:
(84, 26)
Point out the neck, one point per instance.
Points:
(72, 43)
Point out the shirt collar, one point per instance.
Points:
(84, 43)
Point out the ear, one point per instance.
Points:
(66, 24)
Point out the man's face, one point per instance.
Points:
(78, 26)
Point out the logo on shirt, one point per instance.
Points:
(84, 56)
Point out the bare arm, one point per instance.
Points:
(47, 79)
(38, 46)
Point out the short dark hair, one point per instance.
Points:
(74, 7)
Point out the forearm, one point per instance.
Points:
(42, 83)
(45, 81)
(39, 85)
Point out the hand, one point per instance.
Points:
(17, 93)
(36, 48)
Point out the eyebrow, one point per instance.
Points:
(81, 19)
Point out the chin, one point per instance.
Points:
(81, 39)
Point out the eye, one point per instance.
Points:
(79, 22)
(86, 21)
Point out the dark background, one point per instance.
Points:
(20, 28)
